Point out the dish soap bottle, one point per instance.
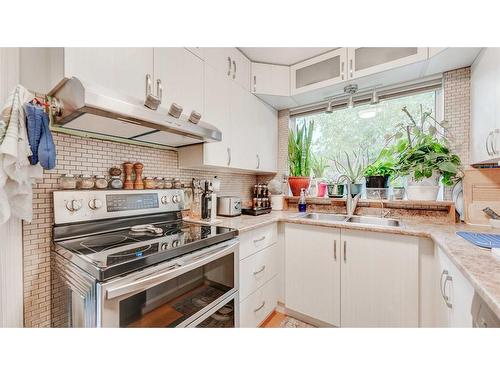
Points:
(302, 201)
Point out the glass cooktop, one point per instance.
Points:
(109, 254)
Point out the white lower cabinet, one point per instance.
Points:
(454, 296)
(258, 275)
(351, 278)
(379, 280)
(312, 264)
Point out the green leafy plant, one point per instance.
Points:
(382, 166)
(352, 166)
(422, 148)
(318, 165)
(299, 149)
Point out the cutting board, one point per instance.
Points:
(481, 190)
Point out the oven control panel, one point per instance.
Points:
(72, 206)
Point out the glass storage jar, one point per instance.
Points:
(116, 182)
(169, 183)
(160, 183)
(68, 181)
(149, 183)
(86, 182)
(101, 182)
(177, 183)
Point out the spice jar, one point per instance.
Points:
(115, 171)
(116, 182)
(86, 182)
(160, 183)
(149, 183)
(101, 182)
(169, 183)
(68, 181)
(177, 183)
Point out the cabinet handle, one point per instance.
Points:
(350, 67)
(447, 298)
(234, 69)
(342, 69)
(335, 250)
(149, 85)
(228, 66)
(254, 83)
(488, 144)
(260, 307)
(494, 134)
(229, 156)
(159, 89)
(345, 251)
(259, 271)
(259, 239)
(258, 161)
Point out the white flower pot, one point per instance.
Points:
(422, 193)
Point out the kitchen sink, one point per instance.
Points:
(323, 217)
(367, 220)
(374, 221)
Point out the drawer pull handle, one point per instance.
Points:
(260, 307)
(259, 239)
(261, 270)
(335, 250)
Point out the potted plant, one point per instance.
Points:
(424, 156)
(318, 166)
(352, 167)
(299, 157)
(377, 174)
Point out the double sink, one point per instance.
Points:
(367, 220)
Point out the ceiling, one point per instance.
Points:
(283, 55)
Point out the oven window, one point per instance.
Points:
(175, 301)
(222, 318)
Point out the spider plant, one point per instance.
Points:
(299, 149)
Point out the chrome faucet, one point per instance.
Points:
(350, 202)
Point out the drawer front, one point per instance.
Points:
(257, 239)
(257, 307)
(258, 269)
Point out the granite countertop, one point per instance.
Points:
(478, 265)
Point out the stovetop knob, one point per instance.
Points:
(164, 246)
(95, 204)
(73, 205)
(165, 199)
(176, 198)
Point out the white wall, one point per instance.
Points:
(11, 250)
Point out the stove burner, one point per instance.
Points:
(104, 242)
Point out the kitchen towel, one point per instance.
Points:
(16, 173)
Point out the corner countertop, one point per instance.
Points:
(479, 266)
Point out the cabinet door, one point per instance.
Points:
(181, 73)
(270, 79)
(364, 61)
(220, 59)
(267, 138)
(456, 293)
(241, 69)
(379, 280)
(312, 267)
(318, 72)
(217, 104)
(120, 69)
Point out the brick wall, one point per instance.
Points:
(87, 156)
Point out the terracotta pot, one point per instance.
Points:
(298, 183)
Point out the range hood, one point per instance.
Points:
(91, 109)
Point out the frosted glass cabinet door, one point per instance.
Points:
(318, 72)
(119, 69)
(364, 61)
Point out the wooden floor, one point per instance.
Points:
(274, 320)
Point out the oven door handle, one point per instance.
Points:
(174, 270)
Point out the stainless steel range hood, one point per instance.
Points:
(91, 109)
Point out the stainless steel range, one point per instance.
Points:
(127, 259)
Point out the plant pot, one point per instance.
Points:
(398, 192)
(422, 193)
(356, 189)
(335, 190)
(377, 182)
(322, 189)
(298, 183)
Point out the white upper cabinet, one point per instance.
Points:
(120, 69)
(270, 79)
(363, 61)
(231, 62)
(318, 72)
(181, 74)
(267, 138)
(485, 102)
